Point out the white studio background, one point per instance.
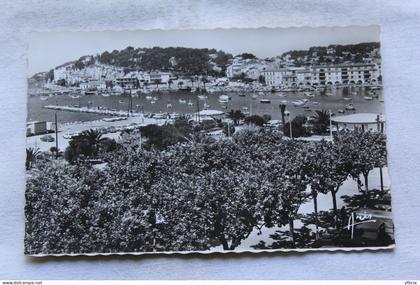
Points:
(400, 37)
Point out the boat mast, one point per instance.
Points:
(56, 135)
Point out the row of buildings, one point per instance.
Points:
(361, 73)
(271, 72)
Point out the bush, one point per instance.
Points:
(298, 128)
(255, 120)
(228, 129)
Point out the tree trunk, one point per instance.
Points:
(382, 181)
(315, 195)
(334, 199)
(365, 175)
(224, 243)
(292, 232)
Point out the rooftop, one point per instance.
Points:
(360, 118)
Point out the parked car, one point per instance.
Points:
(47, 138)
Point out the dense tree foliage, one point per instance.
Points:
(88, 144)
(340, 53)
(191, 61)
(193, 193)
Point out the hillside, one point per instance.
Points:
(335, 53)
(176, 59)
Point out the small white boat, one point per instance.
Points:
(347, 99)
(153, 102)
(121, 101)
(283, 101)
(340, 111)
(265, 101)
(190, 103)
(155, 98)
(315, 103)
(354, 93)
(202, 97)
(368, 98)
(149, 97)
(104, 95)
(328, 94)
(206, 106)
(286, 113)
(298, 103)
(245, 108)
(254, 96)
(182, 101)
(350, 107)
(309, 94)
(261, 93)
(43, 98)
(169, 105)
(160, 116)
(223, 98)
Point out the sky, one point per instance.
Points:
(49, 49)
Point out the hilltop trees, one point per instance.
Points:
(191, 61)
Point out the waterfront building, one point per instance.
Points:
(127, 82)
(93, 85)
(359, 73)
(36, 128)
(274, 77)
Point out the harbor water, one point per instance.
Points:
(333, 99)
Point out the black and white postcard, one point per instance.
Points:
(225, 140)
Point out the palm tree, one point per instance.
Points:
(180, 83)
(157, 82)
(236, 116)
(283, 110)
(204, 81)
(94, 139)
(322, 119)
(54, 151)
(31, 156)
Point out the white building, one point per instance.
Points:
(361, 73)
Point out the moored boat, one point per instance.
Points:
(223, 98)
(350, 107)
